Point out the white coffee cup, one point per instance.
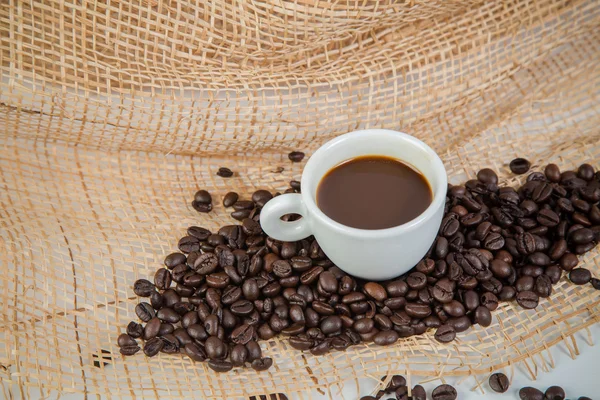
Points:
(370, 254)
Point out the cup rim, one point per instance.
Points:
(439, 192)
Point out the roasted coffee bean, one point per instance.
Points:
(529, 393)
(385, 338)
(220, 365)
(580, 276)
(153, 346)
(581, 236)
(197, 332)
(202, 196)
(548, 218)
(224, 172)
(174, 259)
(229, 199)
(527, 299)
(397, 288)
(445, 334)
(416, 280)
(144, 311)
(500, 269)
(552, 172)
(195, 352)
(519, 166)
(554, 393)
(493, 241)
(525, 283)
(375, 291)
(595, 283)
(443, 291)
(206, 263)
(568, 261)
(170, 344)
(444, 392)
(188, 244)
(526, 243)
(499, 382)
(450, 226)
(168, 315)
(543, 286)
(417, 310)
(296, 156)
(454, 308)
(182, 336)
(242, 334)
(327, 282)
(215, 348)
(418, 393)
(135, 330)
(143, 287)
(129, 350)
(482, 316)
(539, 258)
(487, 175)
(125, 340)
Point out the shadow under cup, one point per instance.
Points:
(379, 253)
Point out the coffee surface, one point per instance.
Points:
(373, 192)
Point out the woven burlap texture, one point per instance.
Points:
(113, 113)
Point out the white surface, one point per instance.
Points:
(579, 377)
(349, 248)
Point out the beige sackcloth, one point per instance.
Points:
(114, 112)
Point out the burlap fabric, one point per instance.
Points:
(114, 113)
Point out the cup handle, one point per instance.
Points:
(270, 218)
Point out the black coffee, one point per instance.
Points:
(373, 192)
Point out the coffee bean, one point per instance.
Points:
(261, 197)
(580, 276)
(524, 283)
(568, 261)
(519, 166)
(296, 156)
(554, 393)
(416, 280)
(450, 226)
(595, 283)
(444, 392)
(529, 393)
(129, 350)
(201, 207)
(499, 382)
(195, 352)
(418, 393)
(230, 198)
(153, 346)
(552, 172)
(143, 287)
(445, 334)
(144, 311)
(224, 172)
(548, 218)
(206, 263)
(454, 308)
(375, 291)
(215, 348)
(385, 338)
(417, 310)
(527, 299)
(202, 196)
(220, 365)
(242, 334)
(487, 175)
(134, 329)
(331, 324)
(125, 340)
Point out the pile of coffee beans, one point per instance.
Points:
(226, 290)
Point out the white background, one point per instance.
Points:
(579, 377)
